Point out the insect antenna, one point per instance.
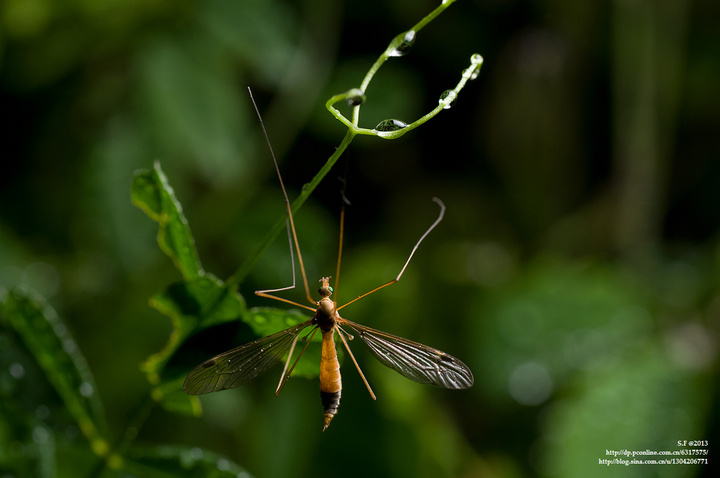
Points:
(291, 226)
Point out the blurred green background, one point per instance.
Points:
(576, 271)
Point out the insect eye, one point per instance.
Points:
(325, 291)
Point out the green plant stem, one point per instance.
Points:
(353, 130)
(387, 53)
(468, 74)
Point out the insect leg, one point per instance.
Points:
(412, 253)
(287, 205)
(286, 376)
(342, 333)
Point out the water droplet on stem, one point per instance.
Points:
(355, 97)
(449, 103)
(402, 44)
(470, 73)
(390, 125)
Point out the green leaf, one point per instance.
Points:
(192, 305)
(173, 399)
(200, 301)
(49, 341)
(152, 193)
(174, 460)
(268, 320)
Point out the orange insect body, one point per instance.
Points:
(330, 380)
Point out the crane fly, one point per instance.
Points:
(411, 359)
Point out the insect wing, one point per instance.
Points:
(242, 364)
(413, 360)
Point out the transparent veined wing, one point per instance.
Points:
(413, 360)
(242, 364)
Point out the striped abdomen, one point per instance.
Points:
(330, 382)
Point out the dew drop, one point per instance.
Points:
(40, 435)
(69, 346)
(355, 97)
(190, 457)
(449, 103)
(17, 370)
(402, 44)
(470, 73)
(60, 329)
(530, 384)
(86, 389)
(474, 70)
(390, 125)
(222, 464)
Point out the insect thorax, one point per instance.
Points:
(325, 314)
